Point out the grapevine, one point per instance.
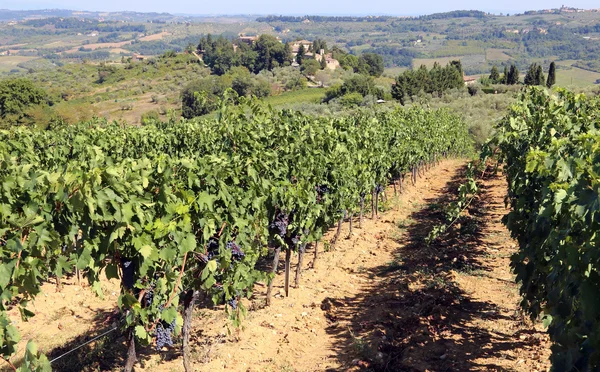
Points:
(189, 207)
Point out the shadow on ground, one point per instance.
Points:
(109, 352)
(415, 317)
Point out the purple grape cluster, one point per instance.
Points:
(164, 336)
(321, 191)
(280, 224)
(127, 266)
(295, 240)
(378, 189)
(149, 296)
(236, 252)
(232, 303)
(212, 248)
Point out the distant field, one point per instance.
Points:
(298, 96)
(154, 37)
(8, 63)
(417, 62)
(467, 61)
(576, 77)
(496, 55)
(101, 46)
(394, 71)
(120, 50)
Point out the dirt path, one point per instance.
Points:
(381, 300)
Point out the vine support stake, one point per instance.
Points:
(362, 210)
(350, 223)
(288, 256)
(401, 188)
(188, 310)
(337, 233)
(131, 355)
(301, 252)
(373, 197)
(274, 271)
(316, 254)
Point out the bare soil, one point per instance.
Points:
(381, 300)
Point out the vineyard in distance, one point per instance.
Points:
(246, 236)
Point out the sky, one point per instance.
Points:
(298, 7)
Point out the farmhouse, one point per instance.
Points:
(247, 39)
(296, 45)
(469, 80)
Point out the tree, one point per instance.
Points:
(437, 80)
(539, 76)
(513, 75)
(323, 62)
(322, 77)
(261, 87)
(551, 75)
(531, 76)
(241, 80)
(17, 96)
(494, 75)
(348, 62)
(371, 64)
(504, 79)
(319, 44)
(358, 83)
(203, 96)
(458, 65)
(300, 55)
(310, 67)
(270, 53)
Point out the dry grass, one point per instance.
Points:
(154, 37)
(496, 55)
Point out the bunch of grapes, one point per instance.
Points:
(149, 296)
(128, 267)
(164, 336)
(280, 224)
(236, 252)
(378, 189)
(212, 249)
(321, 191)
(233, 303)
(295, 240)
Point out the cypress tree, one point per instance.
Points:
(323, 62)
(513, 75)
(300, 55)
(458, 65)
(494, 75)
(530, 77)
(539, 76)
(551, 75)
(505, 75)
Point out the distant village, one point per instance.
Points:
(318, 55)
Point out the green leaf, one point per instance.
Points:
(168, 315)
(112, 271)
(167, 254)
(140, 332)
(211, 266)
(188, 244)
(6, 270)
(146, 250)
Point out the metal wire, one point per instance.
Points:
(82, 345)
